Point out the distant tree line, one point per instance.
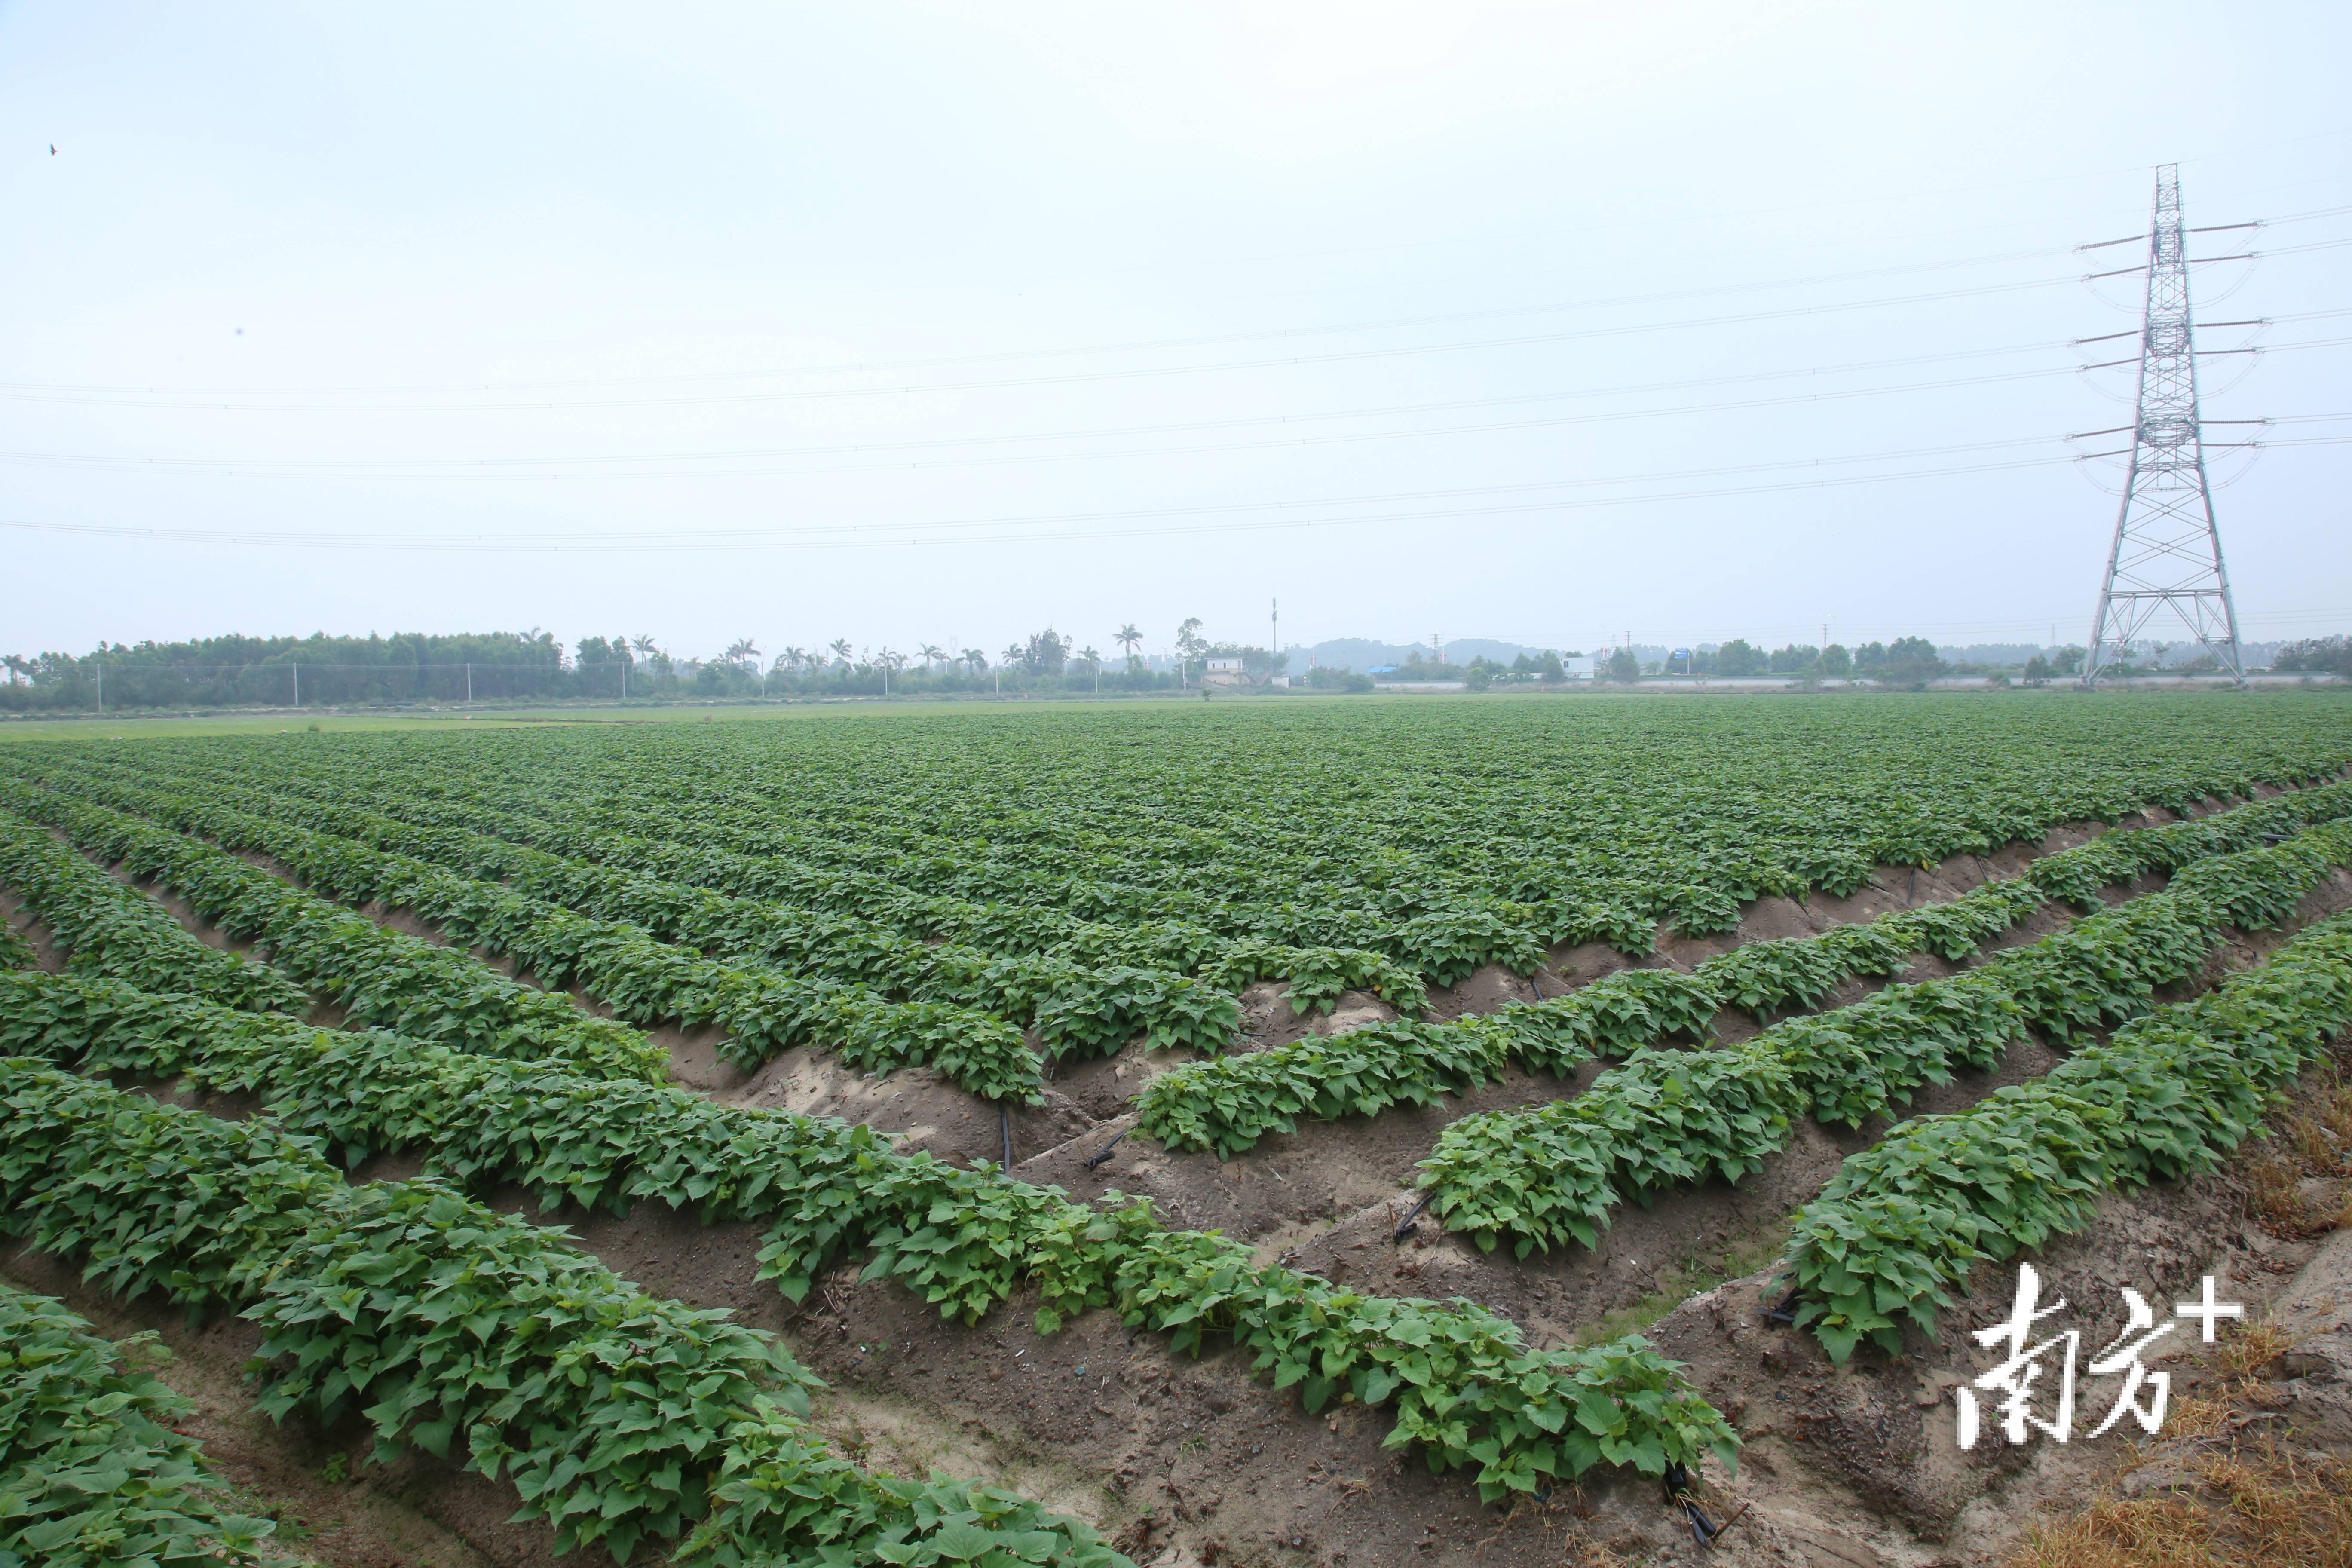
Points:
(1480, 674)
(1905, 661)
(2317, 656)
(531, 666)
(242, 672)
(411, 669)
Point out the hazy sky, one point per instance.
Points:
(947, 321)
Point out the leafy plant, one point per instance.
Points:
(113, 930)
(91, 1469)
(1896, 1233)
(965, 1240)
(1229, 1105)
(615, 1413)
(1544, 1176)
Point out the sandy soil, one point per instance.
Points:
(1195, 1461)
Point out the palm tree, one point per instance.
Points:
(18, 664)
(839, 647)
(1015, 653)
(644, 645)
(973, 659)
(1128, 638)
(742, 650)
(792, 659)
(1093, 661)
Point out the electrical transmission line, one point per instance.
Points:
(2166, 553)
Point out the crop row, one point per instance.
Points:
(1078, 1011)
(1463, 1386)
(1502, 830)
(618, 1415)
(2166, 1095)
(973, 840)
(849, 925)
(963, 1238)
(1323, 941)
(1392, 815)
(92, 1471)
(15, 948)
(1541, 1177)
(1332, 939)
(763, 1010)
(113, 929)
(382, 979)
(1228, 1105)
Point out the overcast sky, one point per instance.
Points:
(911, 324)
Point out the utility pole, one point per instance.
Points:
(470, 683)
(2166, 552)
(1280, 664)
(298, 683)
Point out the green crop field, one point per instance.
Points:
(1001, 895)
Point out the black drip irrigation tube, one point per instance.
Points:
(1681, 1494)
(1004, 1121)
(1099, 1155)
(1411, 1221)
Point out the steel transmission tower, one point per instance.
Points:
(2166, 552)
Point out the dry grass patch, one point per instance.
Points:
(2286, 1506)
(2258, 1502)
(2274, 1197)
(2249, 1499)
(2242, 1356)
(2125, 1532)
